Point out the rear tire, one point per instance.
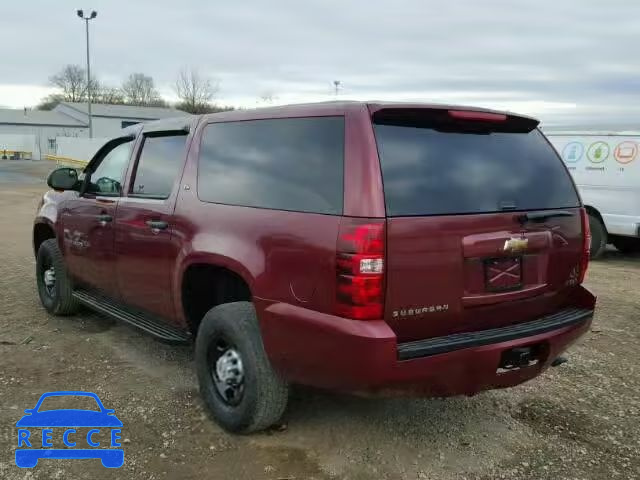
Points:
(261, 396)
(626, 245)
(598, 237)
(54, 285)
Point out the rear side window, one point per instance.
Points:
(437, 172)
(159, 165)
(285, 164)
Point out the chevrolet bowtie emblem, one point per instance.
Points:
(515, 245)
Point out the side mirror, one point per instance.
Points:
(63, 179)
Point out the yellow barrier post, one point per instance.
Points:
(70, 162)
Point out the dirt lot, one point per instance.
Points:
(581, 420)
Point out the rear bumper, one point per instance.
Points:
(321, 350)
(450, 343)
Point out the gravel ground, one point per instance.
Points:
(578, 421)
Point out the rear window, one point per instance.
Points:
(427, 171)
(285, 164)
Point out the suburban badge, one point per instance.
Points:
(412, 312)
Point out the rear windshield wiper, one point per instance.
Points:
(540, 217)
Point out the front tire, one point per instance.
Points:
(237, 382)
(54, 285)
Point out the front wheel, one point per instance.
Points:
(237, 382)
(54, 285)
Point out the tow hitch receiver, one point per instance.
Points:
(519, 357)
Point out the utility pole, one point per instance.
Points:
(336, 84)
(93, 15)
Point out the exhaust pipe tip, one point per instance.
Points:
(559, 361)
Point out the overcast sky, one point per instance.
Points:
(565, 61)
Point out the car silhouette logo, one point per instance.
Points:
(69, 419)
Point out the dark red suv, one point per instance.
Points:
(361, 247)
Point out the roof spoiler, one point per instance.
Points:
(455, 119)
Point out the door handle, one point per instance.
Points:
(157, 224)
(104, 219)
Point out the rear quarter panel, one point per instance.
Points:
(284, 256)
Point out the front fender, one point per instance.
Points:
(48, 210)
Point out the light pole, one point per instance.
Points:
(93, 15)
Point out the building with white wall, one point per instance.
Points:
(109, 119)
(35, 131)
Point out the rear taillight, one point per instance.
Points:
(360, 269)
(586, 244)
(477, 116)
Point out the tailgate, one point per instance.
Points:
(452, 274)
(483, 221)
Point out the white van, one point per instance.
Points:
(606, 168)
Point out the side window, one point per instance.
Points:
(159, 165)
(106, 179)
(284, 164)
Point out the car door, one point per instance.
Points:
(144, 248)
(87, 223)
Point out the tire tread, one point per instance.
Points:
(271, 395)
(65, 304)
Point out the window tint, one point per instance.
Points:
(159, 164)
(287, 164)
(433, 172)
(107, 178)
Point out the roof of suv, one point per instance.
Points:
(338, 107)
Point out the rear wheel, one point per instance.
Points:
(598, 237)
(626, 244)
(237, 382)
(54, 285)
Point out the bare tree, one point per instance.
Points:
(99, 94)
(108, 95)
(195, 91)
(72, 81)
(139, 89)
